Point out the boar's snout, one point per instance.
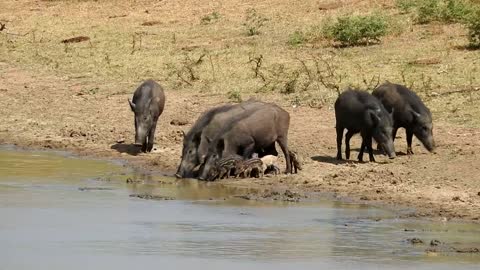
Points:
(389, 149)
(431, 147)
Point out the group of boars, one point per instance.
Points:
(239, 140)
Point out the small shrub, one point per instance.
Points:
(456, 11)
(446, 11)
(210, 18)
(427, 11)
(406, 6)
(291, 84)
(253, 22)
(296, 38)
(356, 30)
(473, 26)
(235, 96)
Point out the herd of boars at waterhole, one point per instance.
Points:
(239, 140)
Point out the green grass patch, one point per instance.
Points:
(356, 30)
(445, 11)
(473, 26)
(297, 38)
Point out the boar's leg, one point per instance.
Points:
(144, 146)
(368, 144)
(151, 136)
(365, 137)
(283, 142)
(409, 141)
(394, 133)
(360, 153)
(248, 150)
(348, 136)
(339, 142)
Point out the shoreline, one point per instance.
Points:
(258, 191)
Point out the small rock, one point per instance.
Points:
(415, 241)
(456, 199)
(435, 242)
(364, 198)
(152, 197)
(177, 122)
(245, 197)
(122, 140)
(467, 250)
(93, 188)
(289, 194)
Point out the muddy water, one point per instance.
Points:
(61, 212)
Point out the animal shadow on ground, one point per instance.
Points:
(130, 149)
(353, 157)
(331, 160)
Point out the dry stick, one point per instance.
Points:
(468, 90)
(258, 64)
(15, 34)
(213, 68)
(134, 42)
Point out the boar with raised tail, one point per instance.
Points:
(147, 104)
(409, 112)
(359, 112)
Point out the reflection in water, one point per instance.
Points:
(49, 223)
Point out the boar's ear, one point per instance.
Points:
(415, 114)
(196, 138)
(220, 145)
(132, 105)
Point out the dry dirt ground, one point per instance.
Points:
(73, 96)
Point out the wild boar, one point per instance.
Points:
(196, 141)
(409, 112)
(147, 104)
(251, 130)
(359, 112)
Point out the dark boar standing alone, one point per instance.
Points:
(147, 104)
(360, 112)
(409, 112)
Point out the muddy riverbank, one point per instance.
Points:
(50, 112)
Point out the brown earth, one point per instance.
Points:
(42, 110)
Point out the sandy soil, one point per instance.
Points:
(44, 111)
